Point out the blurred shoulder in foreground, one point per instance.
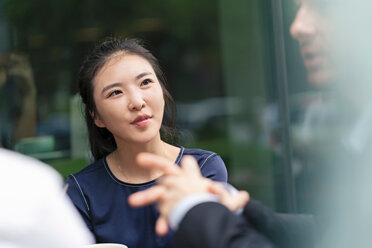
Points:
(35, 211)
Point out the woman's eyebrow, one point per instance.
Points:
(139, 76)
(106, 88)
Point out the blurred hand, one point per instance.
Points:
(232, 201)
(177, 183)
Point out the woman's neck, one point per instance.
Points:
(122, 161)
(128, 151)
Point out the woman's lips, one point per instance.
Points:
(141, 121)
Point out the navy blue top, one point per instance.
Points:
(101, 199)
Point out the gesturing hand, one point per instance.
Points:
(177, 183)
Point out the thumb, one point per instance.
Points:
(239, 200)
(161, 226)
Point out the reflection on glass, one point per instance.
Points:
(18, 99)
(332, 140)
(183, 34)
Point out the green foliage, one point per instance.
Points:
(67, 166)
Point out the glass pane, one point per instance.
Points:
(44, 42)
(218, 56)
(328, 49)
(248, 67)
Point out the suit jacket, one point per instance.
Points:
(210, 224)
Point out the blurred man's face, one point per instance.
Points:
(311, 28)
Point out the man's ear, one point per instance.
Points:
(97, 120)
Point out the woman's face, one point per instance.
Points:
(129, 99)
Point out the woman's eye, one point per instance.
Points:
(114, 93)
(145, 82)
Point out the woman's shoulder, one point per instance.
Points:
(196, 152)
(84, 182)
(210, 163)
(201, 156)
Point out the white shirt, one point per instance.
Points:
(34, 209)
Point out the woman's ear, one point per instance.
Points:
(96, 119)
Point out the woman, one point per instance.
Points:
(123, 89)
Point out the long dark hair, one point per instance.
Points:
(101, 140)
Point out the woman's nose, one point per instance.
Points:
(304, 24)
(136, 101)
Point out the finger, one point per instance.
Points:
(190, 166)
(232, 200)
(146, 197)
(161, 226)
(152, 161)
(168, 181)
(218, 189)
(239, 200)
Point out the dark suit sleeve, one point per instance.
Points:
(284, 230)
(210, 224)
